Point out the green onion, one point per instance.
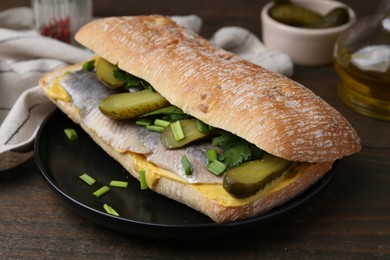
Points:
(87, 179)
(216, 167)
(212, 155)
(177, 131)
(186, 165)
(143, 122)
(100, 192)
(71, 134)
(155, 128)
(162, 123)
(142, 180)
(202, 127)
(110, 210)
(119, 184)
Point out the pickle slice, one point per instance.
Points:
(132, 104)
(249, 178)
(105, 72)
(191, 134)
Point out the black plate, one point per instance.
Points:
(142, 212)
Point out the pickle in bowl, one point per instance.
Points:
(292, 14)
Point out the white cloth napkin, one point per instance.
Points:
(25, 56)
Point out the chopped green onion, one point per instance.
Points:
(202, 127)
(71, 134)
(212, 155)
(162, 123)
(155, 128)
(177, 130)
(87, 179)
(142, 180)
(89, 65)
(110, 210)
(186, 165)
(119, 184)
(143, 122)
(216, 167)
(100, 192)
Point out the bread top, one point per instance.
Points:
(267, 109)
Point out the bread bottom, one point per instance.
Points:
(197, 196)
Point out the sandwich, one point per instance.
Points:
(200, 125)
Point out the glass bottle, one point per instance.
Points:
(362, 60)
(60, 19)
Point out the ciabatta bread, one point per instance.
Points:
(267, 109)
(225, 91)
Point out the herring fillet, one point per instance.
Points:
(86, 91)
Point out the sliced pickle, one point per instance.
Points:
(191, 134)
(132, 104)
(105, 72)
(249, 178)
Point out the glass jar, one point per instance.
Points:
(60, 19)
(362, 60)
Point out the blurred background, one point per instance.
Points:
(206, 9)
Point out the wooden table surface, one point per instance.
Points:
(350, 219)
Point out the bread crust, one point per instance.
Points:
(269, 110)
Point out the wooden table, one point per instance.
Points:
(350, 219)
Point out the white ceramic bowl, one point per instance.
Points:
(310, 47)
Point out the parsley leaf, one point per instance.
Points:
(89, 65)
(236, 154)
(130, 80)
(169, 113)
(225, 140)
(165, 111)
(235, 149)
